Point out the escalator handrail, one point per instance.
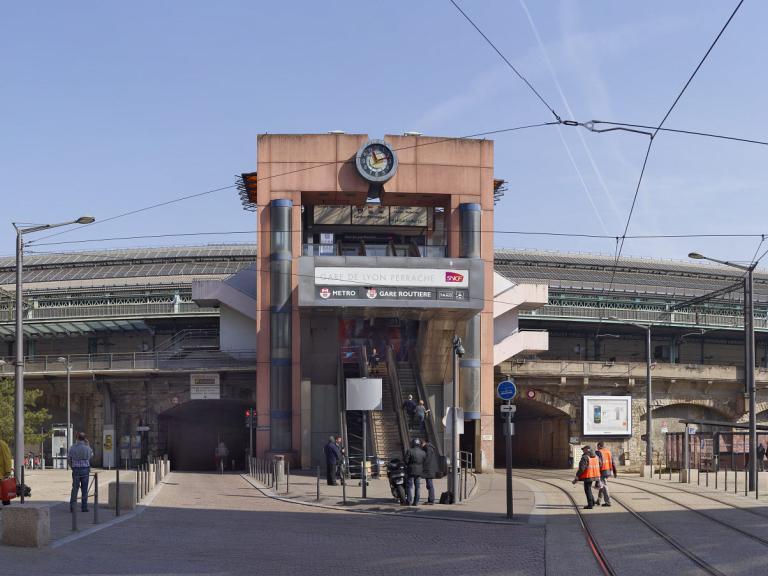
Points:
(342, 405)
(430, 419)
(397, 398)
(364, 373)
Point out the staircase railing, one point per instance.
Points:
(397, 398)
(207, 335)
(413, 358)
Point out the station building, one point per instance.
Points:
(372, 256)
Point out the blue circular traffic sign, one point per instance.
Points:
(506, 390)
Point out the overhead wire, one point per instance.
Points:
(508, 63)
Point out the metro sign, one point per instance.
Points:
(453, 277)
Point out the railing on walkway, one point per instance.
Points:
(134, 361)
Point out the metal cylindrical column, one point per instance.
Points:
(469, 365)
(749, 373)
(281, 259)
(18, 452)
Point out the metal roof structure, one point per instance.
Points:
(650, 278)
(153, 265)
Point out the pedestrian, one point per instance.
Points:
(410, 407)
(760, 456)
(332, 457)
(221, 454)
(421, 414)
(588, 472)
(431, 466)
(342, 460)
(415, 458)
(79, 458)
(607, 467)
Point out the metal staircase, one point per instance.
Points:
(384, 423)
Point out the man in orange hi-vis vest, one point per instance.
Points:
(588, 472)
(607, 467)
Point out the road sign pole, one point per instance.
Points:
(508, 431)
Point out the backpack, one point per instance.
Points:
(446, 498)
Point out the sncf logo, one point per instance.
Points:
(454, 277)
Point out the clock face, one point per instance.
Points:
(376, 161)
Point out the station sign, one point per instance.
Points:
(392, 277)
(204, 387)
(388, 293)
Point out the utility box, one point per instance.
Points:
(59, 446)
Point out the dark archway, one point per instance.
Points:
(541, 436)
(191, 432)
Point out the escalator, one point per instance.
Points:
(353, 364)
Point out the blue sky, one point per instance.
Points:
(112, 106)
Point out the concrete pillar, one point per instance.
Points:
(280, 378)
(469, 365)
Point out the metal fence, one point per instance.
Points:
(134, 361)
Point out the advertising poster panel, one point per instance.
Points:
(607, 415)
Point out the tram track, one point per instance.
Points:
(699, 495)
(597, 550)
(755, 537)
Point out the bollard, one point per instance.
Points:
(287, 477)
(22, 483)
(96, 498)
(138, 485)
(746, 485)
(465, 483)
(117, 491)
(707, 476)
(318, 483)
(343, 488)
(726, 480)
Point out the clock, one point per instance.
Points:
(376, 161)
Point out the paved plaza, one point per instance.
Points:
(197, 523)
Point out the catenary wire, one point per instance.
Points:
(508, 63)
(314, 166)
(676, 131)
(656, 131)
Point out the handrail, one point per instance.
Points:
(342, 405)
(397, 397)
(364, 373)
(430, 419)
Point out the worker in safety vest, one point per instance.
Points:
(588, 472)
(607, 467)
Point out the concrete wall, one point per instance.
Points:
(237, 331)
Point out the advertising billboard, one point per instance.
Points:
(607, 415)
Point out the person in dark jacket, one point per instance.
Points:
(410, 407)
(415, 458)
(332, 457)
(431, 466)
(760, 456)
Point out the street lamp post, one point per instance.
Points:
(19, 372)
(648, 390)
(458, 352)
(65, 361)
(749, 359)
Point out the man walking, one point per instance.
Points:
(332, 457)
(414, 458)
(431, 466)
(588, 472)
(410, 407)
(79, 458)
(760, 456)
(607, 467)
